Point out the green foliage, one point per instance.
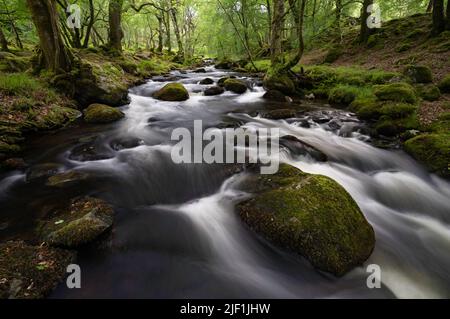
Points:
(19, 84)
(399, 92)
(262, 65)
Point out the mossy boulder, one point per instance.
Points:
(235, 85)
(333, 54)
(396, 110)
(55, 117)
(419, 73)
(172, 92)
(274, 95)
(399, 92)
(84, 221)
(279, 82)
(311, 215)
(432, 150)
(444, 85)
(100, 113)
(279, 114)
(429, 92)
(31, 272)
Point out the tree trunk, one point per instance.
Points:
(160, 33)
(16, 33)
(365, 30)
(438, 17)
(115, 25)
(90, 24)
(276, 52)
(3, 41)
(299, 17)
(173, 14)
(448, 14)
(55, 56)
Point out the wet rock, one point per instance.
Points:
(66, 179)
(206, 81)
(100, 113)
(274, 95)
(310, 96)
(89, 152)
(41, 171)
(172, 92)
(279, 114)
(84, 221)
(298, 147)
(126, 142)
(280, 82)
(200, 70)
(334, 125)
(31, 272)
(311, 215)
(214, 90)
(235, 85)
(14, 163)
(221, 81)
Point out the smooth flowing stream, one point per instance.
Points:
(176, 234)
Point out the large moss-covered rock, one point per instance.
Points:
(31, 272)
(172, 92)
(399, 92)
(311, 215)
(100, 113)
(279, 82)
(444, 85)
(432, 150)
(419, 73)
(85, 220)
(235, 85)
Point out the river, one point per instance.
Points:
(176, 234)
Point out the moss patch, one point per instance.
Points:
(30, 272)
(235, 85)
(444, 85)
(100, 113)
(399, 92)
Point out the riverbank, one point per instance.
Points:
(39, 102)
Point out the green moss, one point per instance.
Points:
(279, 82)
(100, 113)
(399, 92)
(395, 110)
(30, 272)
(444, 85)
(172, 92)
(312, 215)
(403, 47)
(55, 117)
(11, 63)
(373, 41)
(343, 94)
(432, 150)
(429, 92)
(419, 73)
(81, 223)
(235, 85)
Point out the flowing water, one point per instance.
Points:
(176, 233)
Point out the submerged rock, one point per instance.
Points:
(200, 70)
(298, 147)
(66, 178)
(172, 92)
(84, 221)
(42, 171)
(279, 114)
(214, 90)
(206, 81)
(128, 142)
(100, 113)
(31, 272)
(89, 152)
(311, 215)
(235, 85)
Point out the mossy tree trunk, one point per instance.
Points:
(438, 17)
(55, 56)
(448, 14)
(115, 25)
(365, 32)
(160, 33)
(3, 41)
(173, 13)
